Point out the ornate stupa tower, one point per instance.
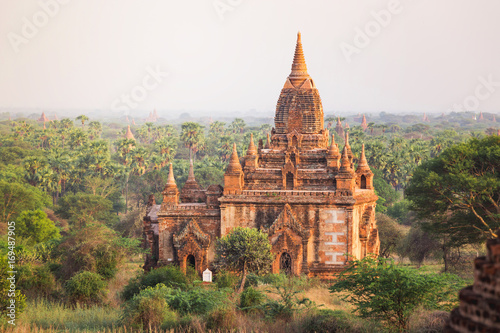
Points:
(313, 202)
(299, 110)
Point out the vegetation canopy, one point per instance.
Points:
(244, 250)
(459, 191)
(378, 288)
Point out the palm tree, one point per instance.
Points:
(95, 129)
(237, 126)
(166, 147)
(66, 123)
(83, 118)
(32, 167)
(124, 146)
(139, 165)
(78, 138)
(192, 136)
(217, 128)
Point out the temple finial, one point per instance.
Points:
(299, 68)
(171, 179)
(346, 163)
(234, 161)
(363, 163)
(252, 150)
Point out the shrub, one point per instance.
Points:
(380, 289)
(251, 299)
(399, 211)
(196, 301)
(326, 321)
(95, 248)
(225, 279)
(221, 320)
(273, 279)
(170, 276)
(35, 226)
(391, 234)
(85, 287)
(36, 281)
(428, 321)
(5, 291)
(287, 303)
(149, 308)
(320, 322)
(419, 245)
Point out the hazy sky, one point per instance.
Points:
(234, 55)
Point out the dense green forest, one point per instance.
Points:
(77, 189)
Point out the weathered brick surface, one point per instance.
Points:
(479, 309)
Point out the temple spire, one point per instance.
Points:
(299, 67)
(268, 142)
(234, 162)
(171, 180)
(129, 134)
(345, 165)
(333, 151)
(252, 150)
(363, 163)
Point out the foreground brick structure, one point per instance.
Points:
(479, 309)
(304, 193)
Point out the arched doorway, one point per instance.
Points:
(286, 263)
(289, 181)
(295, 142)
(191, 261)
(363, 182)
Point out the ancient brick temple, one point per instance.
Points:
(299, 189)
(479, 309)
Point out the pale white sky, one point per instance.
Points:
(430, 56)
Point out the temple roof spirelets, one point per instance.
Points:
(363, 163)
(345, 165)
(333, 150)
(171, 180)
(234, 162)
(252, 150)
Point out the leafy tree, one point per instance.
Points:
(400, 211)
(36, 226)
(170, 276)
(85, 287)
(380, 289)
(149, 308)
(391, 235)
(94, 248)
(386, 193)
(459, 191)
(244, 250)
(83, 118)
(192, 136)
(83, 208)
(418, 245)
(17, 197)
